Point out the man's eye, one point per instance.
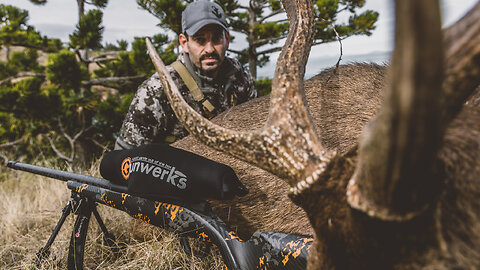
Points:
(200, 40)
(217, 39)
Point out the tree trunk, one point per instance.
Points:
(84, 152)
(252, 62)
(7, 53)
(80, 4)
(84, 57)
(252, 55)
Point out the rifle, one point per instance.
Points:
(194, 219)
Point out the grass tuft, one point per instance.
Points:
(30, 206)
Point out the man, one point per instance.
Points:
(209, 81)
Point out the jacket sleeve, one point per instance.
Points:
(146, 119)
(252, 90)
(244, 83)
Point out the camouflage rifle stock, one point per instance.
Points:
(264, 250)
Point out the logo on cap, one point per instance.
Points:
(216, 12)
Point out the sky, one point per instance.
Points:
(123, 19)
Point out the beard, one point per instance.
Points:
(210, 71)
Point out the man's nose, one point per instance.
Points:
(209, 47)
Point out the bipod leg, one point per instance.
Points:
(108, 237)
(200, 251)
(45, 251)
(76, 248)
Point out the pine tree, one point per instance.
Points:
(14, 31)
(80, 5)
(264, 24)
(62, 109)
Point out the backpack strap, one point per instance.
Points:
(197, 94)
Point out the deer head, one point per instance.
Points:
(393, 178)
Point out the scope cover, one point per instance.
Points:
(159, 171)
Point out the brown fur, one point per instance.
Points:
(424, 165)
(338, 113)
(447, 236)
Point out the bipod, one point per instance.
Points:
(45, 251)
(83, 208)
(108, 238)
(76, 248)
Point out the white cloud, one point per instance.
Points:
(124, 20)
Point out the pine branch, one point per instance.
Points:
(10, 143)
(242, 53)
(271, 15)
(103, 57)
(264, 41)
(71, 141)
(107, 82)
(59, 154)
(341, 47)
(22, 74)
(104, 147)
(272, 50)
(31, 46)
(106, 56)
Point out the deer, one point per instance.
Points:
(401, 191)
(253, 212)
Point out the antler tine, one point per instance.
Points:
(393, 180)
(287, 145)
(462, 41)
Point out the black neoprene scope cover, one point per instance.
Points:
(157, 171)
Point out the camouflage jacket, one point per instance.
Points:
(150, 118)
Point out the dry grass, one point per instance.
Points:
(30, 206)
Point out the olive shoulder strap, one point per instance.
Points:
(192, 86)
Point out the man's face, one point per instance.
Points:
(206, 48)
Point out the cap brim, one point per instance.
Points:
(194, 28)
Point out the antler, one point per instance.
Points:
(396, 177)
(393, 178)
(462, 51)
(287, 145)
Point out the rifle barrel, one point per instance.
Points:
(66, 176)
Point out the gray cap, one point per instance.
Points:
(200, 13)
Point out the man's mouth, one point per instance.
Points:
(209, 59)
